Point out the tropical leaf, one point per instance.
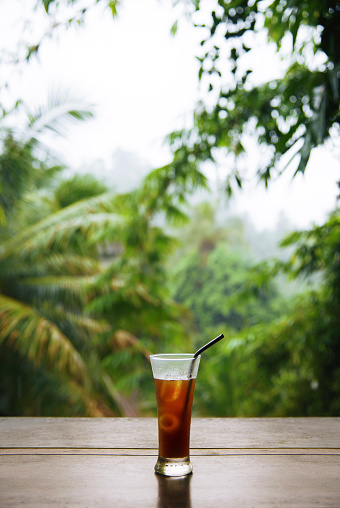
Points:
(36, 338)
(80, 329)
(112, 5)
(62, 108)
(58, 229)
(122, 339)
(62, 237)
(2, 216)
(77, 188)
(67, 291)
(47, 4)
(54, 264)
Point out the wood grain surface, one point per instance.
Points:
(57, 480)
(108, 462)
(142, 433)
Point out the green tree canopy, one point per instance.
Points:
(286, 365)
(83, 286)
(83, 295)
(290, 114)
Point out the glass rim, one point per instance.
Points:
(173, 356)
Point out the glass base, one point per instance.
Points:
(173, 467)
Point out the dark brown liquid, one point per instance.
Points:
(174, 403)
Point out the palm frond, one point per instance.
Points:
(73, 284)
(77, 188)
(62, 108)
(81, 330)
(123, 339)
(108, 202)
(63, 291)
(91, 326)
(92, 217)
(34, 337)
(53, 264)
(123, 297)
(63, 237)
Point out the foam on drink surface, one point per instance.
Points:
(181, 368)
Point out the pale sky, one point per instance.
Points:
(143, 83)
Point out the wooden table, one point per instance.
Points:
(108, 462)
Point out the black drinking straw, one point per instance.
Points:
(200, 350)
(211, 343)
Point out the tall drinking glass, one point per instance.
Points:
(174, 376)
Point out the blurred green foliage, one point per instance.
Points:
(82, 287)
(88, 290)
(214, 275)
(289, 114)
(290, 366)
(90, 283)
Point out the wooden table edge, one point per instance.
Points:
(154, 452)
